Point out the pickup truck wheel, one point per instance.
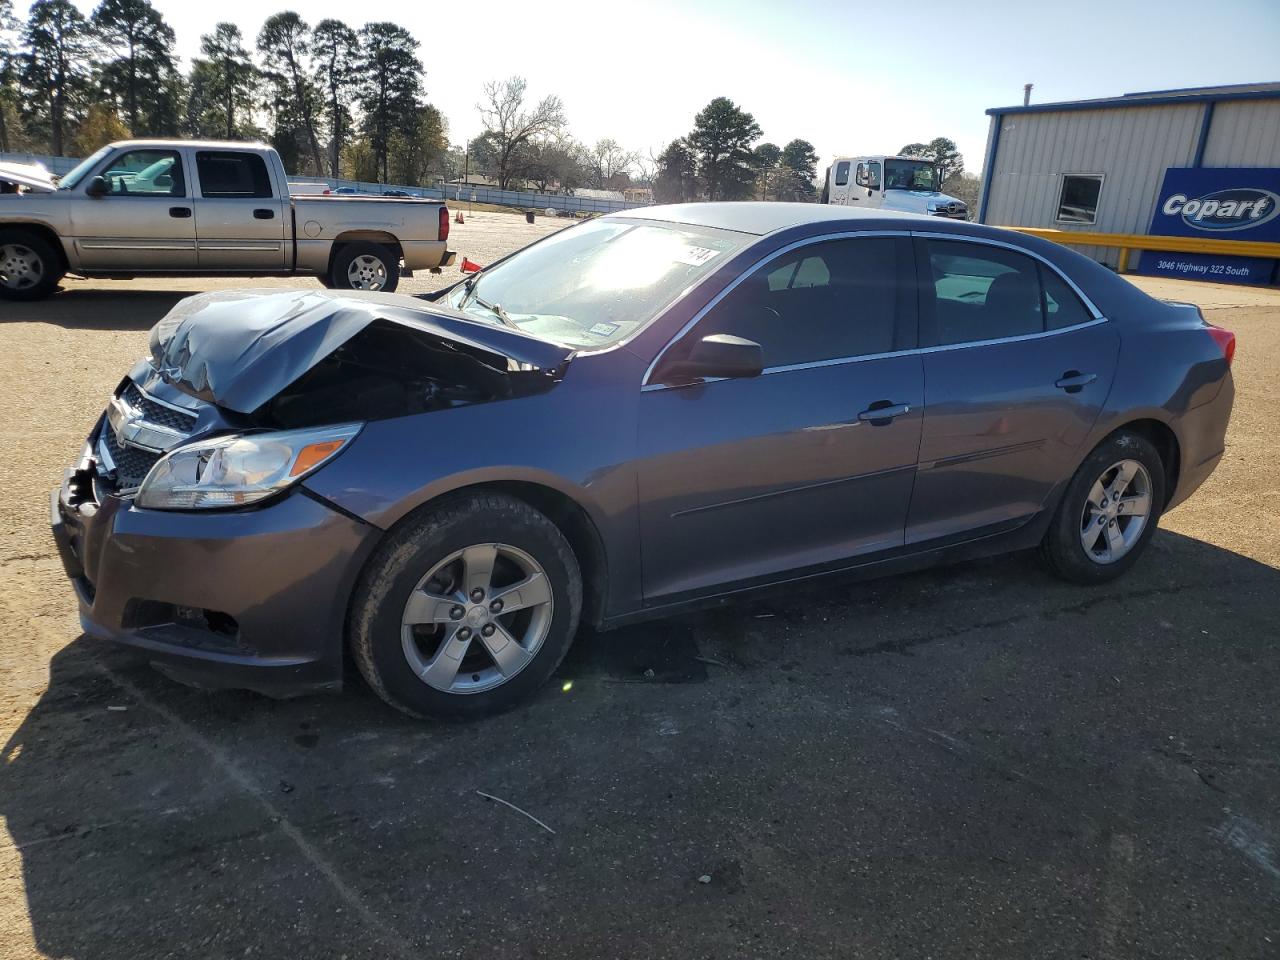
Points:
(29, 267)
(365, 266)
(467, 609)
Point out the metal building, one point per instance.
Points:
(1101, 165)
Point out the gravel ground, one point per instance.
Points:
(975, 761)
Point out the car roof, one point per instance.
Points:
(758, 217)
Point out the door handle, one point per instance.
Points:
(263, 213)
(1073, 381)
(180, 213)
(882, 412)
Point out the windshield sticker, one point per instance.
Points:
(696, 256)
(603, 329)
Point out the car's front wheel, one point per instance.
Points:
(467, 609)
(1109, 511)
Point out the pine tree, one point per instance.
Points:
(391, 84)
(722, 137)
(222, 85)
(55, 68)
(284, 43)
(140, 64)
(335, 51)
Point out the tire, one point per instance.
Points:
(1076, 520)
(386, 274)
(30, 268)
(396, 659)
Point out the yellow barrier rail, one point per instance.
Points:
(1125, 242)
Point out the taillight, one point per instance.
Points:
(1226, 341)
(444, 224)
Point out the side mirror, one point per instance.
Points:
(97, 187)
(718, 355)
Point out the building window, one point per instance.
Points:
(1079, 200)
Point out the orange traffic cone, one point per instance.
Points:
(470, 267)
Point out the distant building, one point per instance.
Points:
(1200, 162)
(638, 194)
(587, 194)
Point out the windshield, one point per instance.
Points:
(593, 285)
(910, 175)
(77, 173)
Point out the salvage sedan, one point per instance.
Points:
(636, 415)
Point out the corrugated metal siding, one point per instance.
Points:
(1244, 134)
(1130, 147)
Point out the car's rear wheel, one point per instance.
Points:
(1109, 511)
(468, 609)
(365, 266)
(29, 266)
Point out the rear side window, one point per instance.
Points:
(976, 292)
(842, 173)
(1062, 307)
(232, 175)
(825, 301)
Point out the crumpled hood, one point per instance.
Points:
(30, 175)
(240, 348)
(897, 198)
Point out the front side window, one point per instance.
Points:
(824, 301)
(842, 173)
(1078, 202)
(595, 284)
(232, 175)
(146, 173)
(873, 174)
(910, 175)
(974, 292)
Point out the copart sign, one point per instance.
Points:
(1221, 203)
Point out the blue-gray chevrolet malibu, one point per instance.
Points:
(642, 413)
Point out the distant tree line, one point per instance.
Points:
(333, 99)
(341, 101)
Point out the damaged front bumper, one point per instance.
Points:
(252, 599)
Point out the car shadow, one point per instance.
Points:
(98, 309)
(153, 819)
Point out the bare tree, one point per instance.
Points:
(608, 160)
(510, 125)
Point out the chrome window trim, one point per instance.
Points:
(1089, 304)
(1098, 318)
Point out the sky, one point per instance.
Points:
(851, 78)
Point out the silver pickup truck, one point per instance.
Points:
(184, 208)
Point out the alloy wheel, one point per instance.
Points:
(1116, 511)
(367, 272)
(477, 618)
(20, 267)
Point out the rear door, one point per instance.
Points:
(241, 218)
(1017, 368)
(742, 479)
(145, 220)
(840, 178)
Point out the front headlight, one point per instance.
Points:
(241, 469)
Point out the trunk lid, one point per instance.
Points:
(239, 349)
(30, 175)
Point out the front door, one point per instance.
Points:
(1017, 379)
(241, 221)
(807, 464)
(144, 222)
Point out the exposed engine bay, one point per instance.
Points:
(389, 370)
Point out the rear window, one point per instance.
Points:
(232, 175)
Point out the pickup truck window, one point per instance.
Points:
(232, 175)
(77, 173)
(146, 173)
